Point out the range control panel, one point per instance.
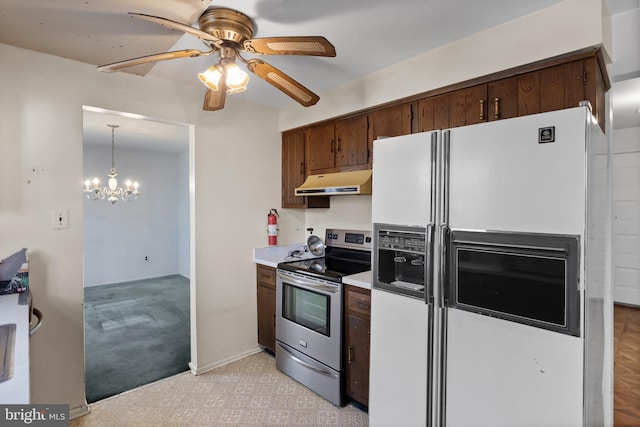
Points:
(353, 239)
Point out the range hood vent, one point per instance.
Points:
(336, 184)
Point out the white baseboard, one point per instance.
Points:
(79, 411)
(195, 370)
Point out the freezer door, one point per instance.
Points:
(525, 174)
(404, 171)
(504, 374)
(400, 361)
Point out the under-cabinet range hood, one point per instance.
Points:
(336, 184)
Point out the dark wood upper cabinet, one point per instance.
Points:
(294, 172)
(475, 104)
(502, 97)
(441, 107)
(338, 145)
(321, 146)
(529, 94)
(347, 143)
(351, 142)
(425, 114)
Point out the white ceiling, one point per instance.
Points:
(368, 35)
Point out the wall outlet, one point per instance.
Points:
(60, 219)
(146, 258)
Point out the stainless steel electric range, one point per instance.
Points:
(309, 312)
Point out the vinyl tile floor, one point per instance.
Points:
(249, 392)
(626, 367)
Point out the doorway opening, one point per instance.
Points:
(136, 253)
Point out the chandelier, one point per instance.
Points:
(111, 192)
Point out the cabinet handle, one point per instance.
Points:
(338, 148)
(481, 109)
(349, 359)
(331, 142)
(496, 106)
(301, 168)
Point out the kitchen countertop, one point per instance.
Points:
(361, 280)
(16, 389)
(272, 255)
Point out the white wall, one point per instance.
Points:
(626, 38)
(183, 215)
(234, 180)
(118, 237)
(565, 27)
(347, 212)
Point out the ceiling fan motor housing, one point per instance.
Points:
(226, 24)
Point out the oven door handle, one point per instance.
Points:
(305, 364)
(309, 285)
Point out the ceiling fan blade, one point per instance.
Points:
(187, 53)
(286, 84)
(312, 46)
(177, 26)
(214, 99)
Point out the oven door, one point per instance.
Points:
(521, 277)
(308, 316)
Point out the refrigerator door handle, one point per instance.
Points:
(429, 298)
(434, 177)
(446, 153)
(443, 278)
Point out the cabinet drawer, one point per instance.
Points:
(266, 276)
(358, 302)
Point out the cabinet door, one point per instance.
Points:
(475, 104)
(320, 148)
(595, 87)
(441, 107)
(425, 115)
(502, 97)
(266, 289)
(457, 108)
(529, 93)
(553, 88)
(357, 372)
(575, 86)
(351, 142)
(293, 168)
(267, 317)
(392, 121)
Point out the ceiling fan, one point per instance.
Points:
(230, 33)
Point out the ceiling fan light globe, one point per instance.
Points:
(236, 78)
(211, 77)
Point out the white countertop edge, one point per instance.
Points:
(361, 280)
(272, 255)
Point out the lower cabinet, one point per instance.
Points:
(266, 288)
(357, 321)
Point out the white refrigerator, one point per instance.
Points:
(514, 327)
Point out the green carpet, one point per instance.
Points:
(135, 333)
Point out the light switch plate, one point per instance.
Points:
(60, 219)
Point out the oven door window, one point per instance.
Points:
(306, 308)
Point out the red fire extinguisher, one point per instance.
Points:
(272, 226)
